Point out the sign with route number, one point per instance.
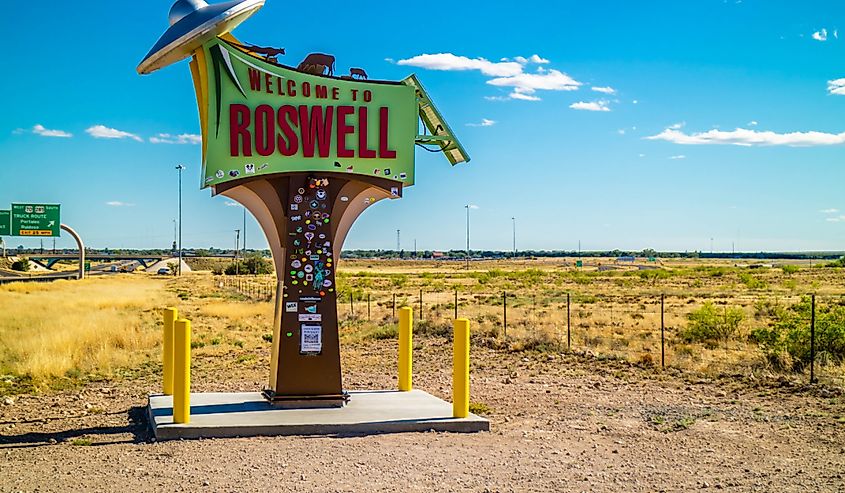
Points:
(35, 220)
(5, 223)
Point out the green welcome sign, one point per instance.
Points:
(263, 118)
(35, 220)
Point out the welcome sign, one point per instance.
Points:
(263, 118)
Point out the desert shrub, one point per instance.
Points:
(786, 343)
(21, 265)
(840, 262)
(653, 275)
(254, 265)
(752, 282)
(789, 269)
(711, 325)
(383, 332)
(429, 328)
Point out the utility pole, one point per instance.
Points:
(398, 243)
(180, 168)
(513, 219)
(237, 245)
(467, 260)
(415, 248)
(244, 232)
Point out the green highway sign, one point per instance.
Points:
(5, 223)
(35, 220)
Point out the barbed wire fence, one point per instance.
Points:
(645, 330)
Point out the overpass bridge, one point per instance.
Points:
(47, 260)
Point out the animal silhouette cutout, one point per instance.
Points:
(317, 63)
(357, 72)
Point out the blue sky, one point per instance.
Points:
(636, 125)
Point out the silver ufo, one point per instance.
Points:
(192, 23)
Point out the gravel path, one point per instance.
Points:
(559, 422)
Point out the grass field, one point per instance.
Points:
(68, 330)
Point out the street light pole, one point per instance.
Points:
(514, 236)
(467, 261)
(244, 232)
(237, 246)
(179, 168)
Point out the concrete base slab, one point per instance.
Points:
(244, 414)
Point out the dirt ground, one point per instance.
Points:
(566, 422)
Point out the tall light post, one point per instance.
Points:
(179, 168)
(237, 246)
(514, 236)
(244, 232)
(467, 260)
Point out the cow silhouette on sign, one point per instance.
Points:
(317, 63)
(359, 72)
(268, 52)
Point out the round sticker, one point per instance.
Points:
(309, 268)
(314, 204)
(301, 190)
(321, 194)
(300, 274)
(327, 283)
(297, 199)
(296, 264)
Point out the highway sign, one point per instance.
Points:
(5, 223)
(35, 220)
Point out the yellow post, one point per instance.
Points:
(182, 372)
(460, 369)
(170, 316)
(406, 344)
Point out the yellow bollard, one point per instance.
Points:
(170, 316)
(406, 344)
(182, 372)
(460, 369)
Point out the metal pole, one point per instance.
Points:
(368, 307)
(421, 304)
(180, 167)
(514, 236)
(568, 330)
(394, 307)
(467, 259)
(244, 231)
(80, 246)
(505, 312)
(456, 303)
(813, 339)
(662, 337)
(237, 246)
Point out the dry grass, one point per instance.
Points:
(93, 326)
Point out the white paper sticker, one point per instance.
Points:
(291, 306)
(311, 339)
(310, 317)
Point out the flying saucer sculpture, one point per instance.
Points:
(192, 23)
(306, 153)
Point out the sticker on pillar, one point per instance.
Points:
(311, 308)
(310, 317)
(291, 306)
(394, 191)
(311, 340)
(294, 207)
(249, 169)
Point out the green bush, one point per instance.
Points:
(254, 265)
(789, 269)
(711, 325)
(786, 343)
(21, 265)
(837, 263)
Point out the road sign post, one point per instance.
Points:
(5, 223)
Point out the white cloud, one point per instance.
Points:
(679, 156)
(103, 132)
(45, 132)
(829, 211)
(746, 137)
(621, 131)
(117, 203)
(176, 139)
(752, 123)
(641, 155)
(506, 72)
(604, 90)
(836, 219)
(484, 123)
(836, 86)
(820, 35)
(448, 61)
(232, 204)
(676, 126)
(553, 80)
(590, 106)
